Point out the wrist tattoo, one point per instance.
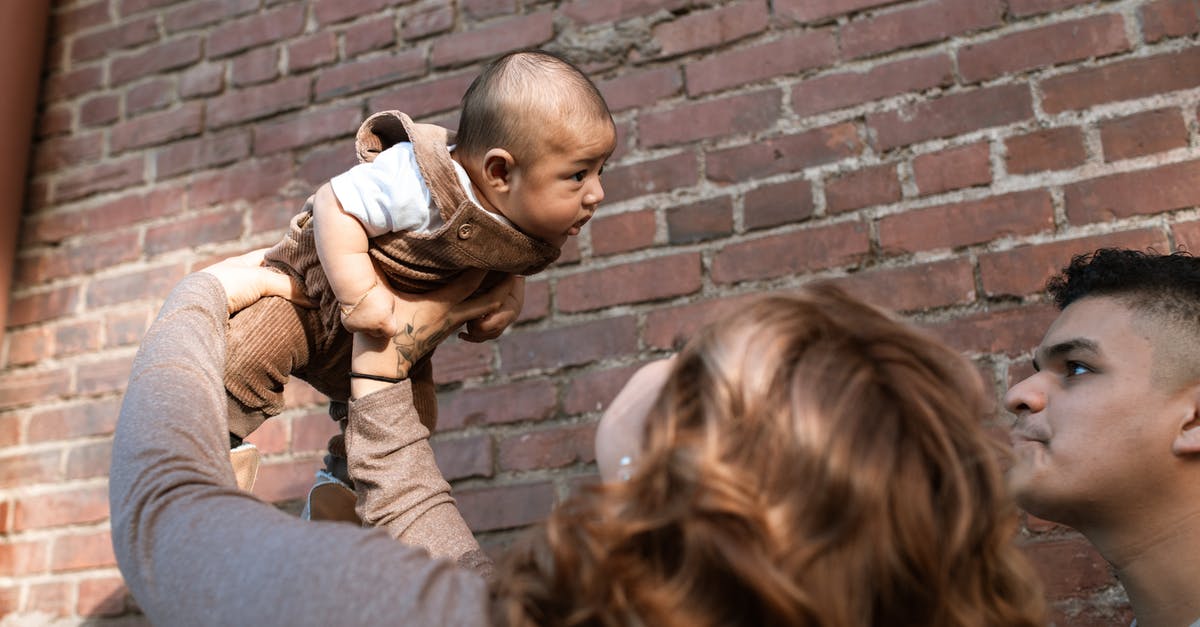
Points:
(415, 341)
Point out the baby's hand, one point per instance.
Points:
(373, 315)
(490, 327)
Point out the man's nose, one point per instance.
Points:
(1026, 396)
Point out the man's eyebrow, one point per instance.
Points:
(1059, 349)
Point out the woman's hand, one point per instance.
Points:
(424, 321)
(246, 280)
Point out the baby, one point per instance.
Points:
(522, 177)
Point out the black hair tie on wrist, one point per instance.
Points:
(374, 377)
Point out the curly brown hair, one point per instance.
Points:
(809, 461)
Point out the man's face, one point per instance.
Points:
(1094, 428)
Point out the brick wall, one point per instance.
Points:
(941, 157)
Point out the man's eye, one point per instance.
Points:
(579, 176)
(1075, 369)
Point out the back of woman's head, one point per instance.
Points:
(809, 461)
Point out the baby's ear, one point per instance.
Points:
(1187, 440)
(497, 168)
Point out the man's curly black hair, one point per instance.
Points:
(1167, 284)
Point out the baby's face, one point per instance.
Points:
(557, 191)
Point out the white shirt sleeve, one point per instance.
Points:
(387, 194)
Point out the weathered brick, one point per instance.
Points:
(792, 253)
(1154, 190)
(526, 31)
(910, 288)
(310, 126)
(537, 301)
(676, 275)
(55, 509)
(1122, 80)
(622, 232)
(127, 34)
(786, 153)
(843, 89)
(193, 231)
(1006, 332)
(331, 11)
(370, 73)
(469, 456)
(102, 377)
(264, 179)
(43, 305)
(72, 84)
(25, 469)
(311, 431)
(58, 153)
(169, 55)
(157, 128)
(23, 558)
(1049, 149)
(29, 345)
(149, 95)
(1142, 134)
(125, 328)
(202, 80)
(918, 24)
(1069, 566)
(101, 596)
(482, 9)
(951, 115)
(426, 21)
(133, 7)
(1169, 18)
(99, 110)
(373, 34)
(953, 168)
(88, 418)
(202, 153)
(792, 54)
(568, 345)
(458, 360)
(1063, 42)
(312, 51)
(272, 437)
(48, 598)
(641, 88)
(152, 283)
(713, 27)
(257, 102)
(865, 187)
(285, 481)
(548, 448)
(1186, 236)
(592, 391)
(776, 204)
(699, 221)
(531, 400)
(87, 550)
(197, 14)
(735, 115)
(660, 175)
(804, 11)
(1024, 270)
(247, 32)
(81, 17)
(321, 164)
(73, 338)
(966, 223)
(102, 177)
(592, 12)
(668, 328)
(1025, 8)
(420, 99)
(256, 66)
(505, 506)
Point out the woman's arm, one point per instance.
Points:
(196, 550)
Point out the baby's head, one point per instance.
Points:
(534, 135)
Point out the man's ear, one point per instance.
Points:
(1187, 440)
(497, 169)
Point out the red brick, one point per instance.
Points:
(311, 432)
(202, 153)
(25, 387)
(843, 89)
(458, 360)
(102, 596)
(23, 558)
(1142, 134)
(622, 232)
(661, 175)
(1186, 236)
(133, 7)
(76, 552)
(427, 21)
(464, 457)
(735, 115)
(197, 14)
(88, 461)
(865, 187)
(1140, 192)
(912, 288)
(263, 28)
(1008, 332)
(953, 168)
(157, 128)
(641, 88)
(503, 507)
(72, 84)
(818, 10)
(272, 437)
(549, 448)
(369, 35)
(149, 95)
(71, 507)
(252, 181)
(1037, 48)
(966, 223)
(331, 11)
(669, 328)
(421, 99)
(10, 600)
(256, 66)
(99, 110)
(530, 400)
(569, 345)
(127, 34)
(1048, 149)
(49, 597)
(143, 284)
(1124, 80)
(592, 12)
(194, 231)
(129, 209)
(776, 204)
(375, 72)
(10, 435)
(1068, 567)
(57, 153)
(85, 419)
(257, 102)
(170, 55)
(42, 306)
(285, 481)
(202, 80)
(102, 177)
(641, 281)
(312, 51)
(1025, 8)
(321, 164)
(569, 253)
(792, 253)
(917, 24)
(298, 393)
(1098, 610)
(29, 346)
(593, 391)
(481, 9)
(526, 31)
(1024, 270)
(699, 221)
(952, 115)
(311, 126)
(74, 338)
(706, 29)
(537, 301)
(790, 55)
(786, 153)
(55, 119)
(1169, 18)
(125, 328)
(75, 19)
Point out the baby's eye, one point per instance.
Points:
(600, 171)
(1075, 368)
(579, 176)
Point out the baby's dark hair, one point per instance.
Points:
(499, 108)
(1149, 282)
